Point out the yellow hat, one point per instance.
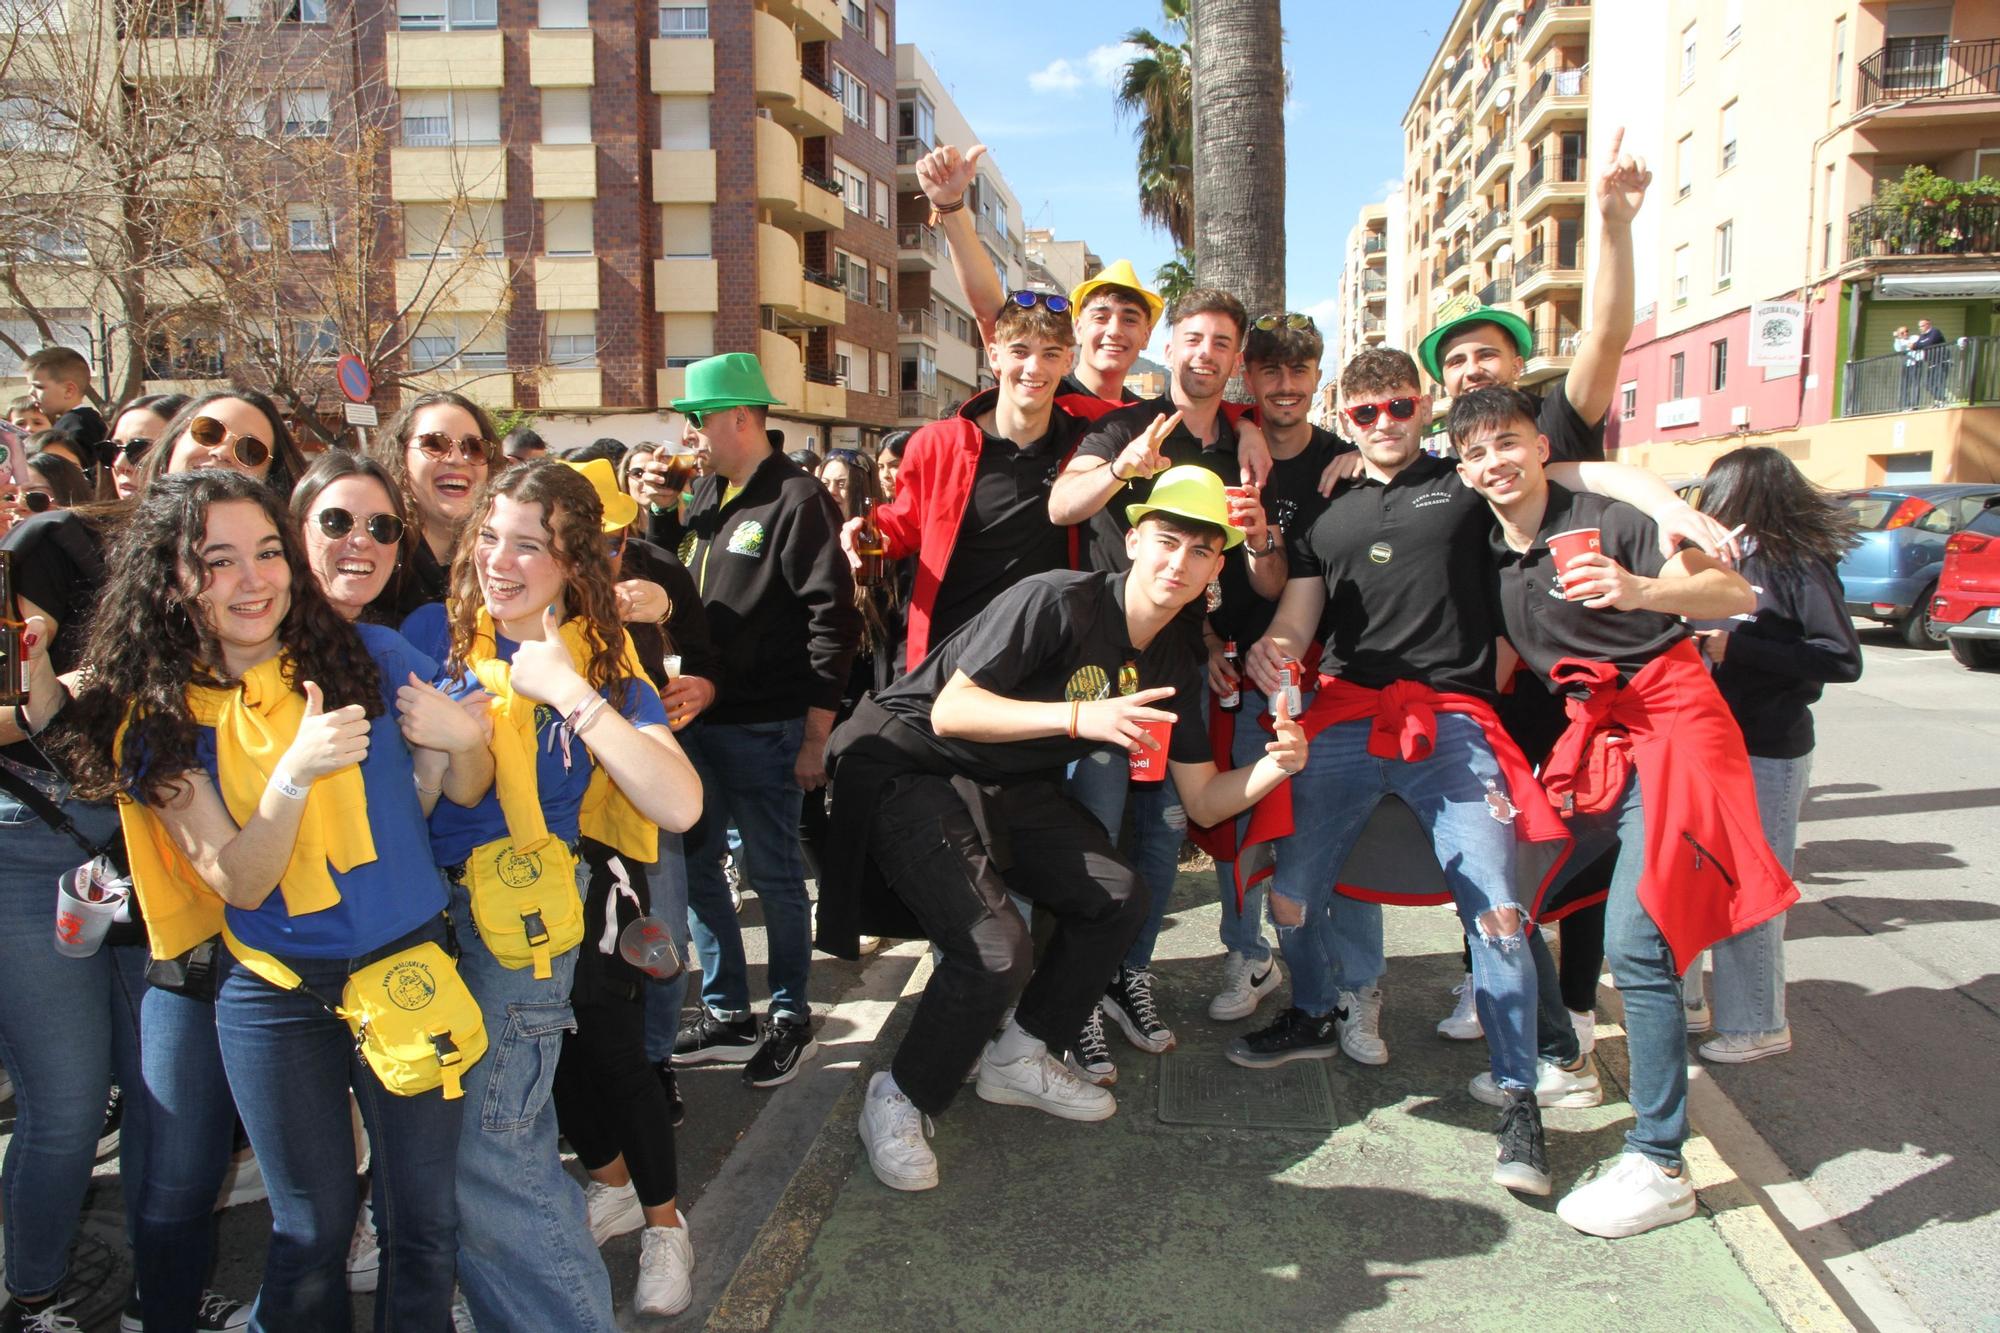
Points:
(1119, 274)
(1192, 492)
(620, 509)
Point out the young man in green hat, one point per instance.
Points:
(949, 795)
(762, 543)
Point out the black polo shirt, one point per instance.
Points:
(1070, 384)
(1571, 438)
(1544, 626)
(1005, 534)
(1053, 638)
(1292, 503)
(1105, 537)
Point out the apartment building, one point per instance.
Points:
(1060, 266)
(940, 360)
(1371, 284)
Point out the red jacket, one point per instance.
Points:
(1709, 872)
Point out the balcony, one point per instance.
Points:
(780, 271)
(1963, 229)
(1494, 158)
(573, 390)
(817, 110)
(777, 175)
(1930, 71)
(1497, 292)
(567, 282)
(1554, 349)
(685, 287)
(917, 405)
(564, 170)
(1543, 268)
(1544, 20)
(1489, 231)
(451, 286)
(1548, 182)
(821, 201)
(1965, 373)
(825, 396)
(561, 58)
(1558, 94)
(446, 59)
(917, 324)
(1374, 285)
(916, 247)
(442, 175)
(684, 65)
(774, 61)
(818, 20)
(824, 299)
(1457, 199)
(683, 175)
(1455, 261)
(1499, 76)
(1373, 329)
(1374, 244)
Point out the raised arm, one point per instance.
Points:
(1677, 520)
(1593, 376)
(945, 175)
(1689, 584)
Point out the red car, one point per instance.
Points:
(1967, 603)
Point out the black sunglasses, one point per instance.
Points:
(35, 502)
(1029, 300)
(1287, 319)
(472, 448)
(382, 529)
(212, 434)
(133, 450)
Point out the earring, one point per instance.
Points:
(1214, 596)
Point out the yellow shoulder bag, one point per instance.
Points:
(526, 904)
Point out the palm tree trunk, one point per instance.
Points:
(1239, 149)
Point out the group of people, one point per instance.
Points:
(396, 747)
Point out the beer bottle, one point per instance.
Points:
(868, 545)
(13, 652)
(1233, 701)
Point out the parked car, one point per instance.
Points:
(1967, 603)
(1892, 574)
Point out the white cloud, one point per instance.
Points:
(1101, 67)
(1058, 76)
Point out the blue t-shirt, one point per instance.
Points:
(400, 889)
(456, 830)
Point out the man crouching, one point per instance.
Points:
(948, 792)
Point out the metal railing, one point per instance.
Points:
(822, 375)
(1457, 197)
(1930, 67)
(1493, 76)
(1437, 219)
(917, 323)
(1373, 281)
(819, 279)
(1374, 244)
(1493, 149)
(909, 150)
(1560, 82)
(1953, 374)
(1455, 260)
(918, 404)
(1964, 229)
(815, 176)
(818, 80)
(1569, 171)
(1371, 324)
(1554, 258)
(1538, 10)
(1558, 341)
(1490, 222)
(1496, 291)
(917, 236)
(1484, 16)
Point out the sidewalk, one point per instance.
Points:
(1380, 1216)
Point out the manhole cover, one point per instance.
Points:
(1201, 1088)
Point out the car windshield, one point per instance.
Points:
(1871, 511)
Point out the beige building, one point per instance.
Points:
(1371, 284)
(1061, 265)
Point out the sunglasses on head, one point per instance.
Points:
(382, 529)
(1286, 319)
(212, 434)
(851, 457)
(1367, 414)
(1057, 305)
(35, 502)
(437, 444)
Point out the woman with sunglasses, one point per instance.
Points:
(235, 429)
(351, 518)
(582, 748)
(279, 763)
(134, 430)
(440, 451)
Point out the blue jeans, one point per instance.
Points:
(1333, 799)
(1102, 784)
(667, 889)
(291, 1064)
(66, 1024)
(1243, 932)
(1750, 968)
(1649, 985)
(746, 776)
(525, 1256)
(190, 1130)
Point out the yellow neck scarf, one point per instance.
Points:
(254, 726)
(607, 816)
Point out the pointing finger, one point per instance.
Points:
(1617, 142)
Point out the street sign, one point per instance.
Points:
(354, 380)
(363, 414)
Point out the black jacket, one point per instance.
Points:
(1798, 641)
(779, 596)
(686, 630)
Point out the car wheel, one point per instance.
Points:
(1918, 629)
(1979, 654)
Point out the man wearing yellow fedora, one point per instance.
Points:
(948, 796)
(762, 541)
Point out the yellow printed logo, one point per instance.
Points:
(515, 869)
(1087, 685)
(410, 986)
(687, 549)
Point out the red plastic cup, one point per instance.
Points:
(1149, 764)
(1567, 546)
(1240, 493)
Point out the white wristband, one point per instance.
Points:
(286, 788)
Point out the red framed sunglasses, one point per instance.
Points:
(1365, 415)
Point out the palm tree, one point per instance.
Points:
(1236, 56)
(1175, 278)
(1156, 92)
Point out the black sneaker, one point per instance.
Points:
(711, 1039)
(1090, 1058)
(1128, 1002)
(114, 1116)
(1522, 1163)
(788, 1043)
(47, 1318)
(676, 1108)
(1297, 1035)
(217, 1314)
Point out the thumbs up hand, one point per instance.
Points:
(1287, 748)
(326, 742)
(545, 672)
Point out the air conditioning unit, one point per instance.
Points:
(1739, 417)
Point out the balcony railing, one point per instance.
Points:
(1540, 9)
(1493, 149)
(1561, 82)
(917, 236)
(1558, 341)
(1496, 291)
(825, 182)
(1485, 16)
(1568, 170)
(1371, 324)
(820, 279)
(1457, 197)
(1375, 244)
(1437, 219)
(1551, 257)
(1500, 70)
(1493, 220)
(1455, 260)
(818, 80)
(1926, 67)
(1955, 374)
(1966, 229)
(916, 403)
(1373, 281)
(917, 323)
(909, 150)
(823, 375)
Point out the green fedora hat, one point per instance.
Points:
(1458, 315)
(733, 379)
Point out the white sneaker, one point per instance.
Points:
(666, 1270)
(893, 1131)
(461, 1314)
(1699, 1019)
(1243, 987)
(1554, 1086)
(1740, 1048)
(1358, 1020)
(243, 1184)
(1463, 1025)
(1635, 1195)
(613, 1210)
(1586, 1029)
(869, 944)
(1044, 1082)
(364, 1253)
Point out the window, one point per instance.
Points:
(882, 202)
(252, 118)
(1732, 23)
(688, 338)
(852, 92)
(881, 118)
(572, 338)
(253, 233)
(1628, 401)
(565, 115)
(881, 30)
(1826, 227)
(436, 119)
(1718, 365)
(308, 114)
(882, 360)
(316, 340)
(435, 346)
(443, 15)
(311, 228)
(1677, 366)
(843, 368)
(1680, 278)
(683, 20)
(1728, 136)
(1687, 55)
(569, 227)
(1725, 254)
(563, 14)
(852, 273)
(917, 119)
(883, 296)
(1839, 56)
(1684, 167)
(685, 231)
(856, 15)
(304, 11)
(1985, 162)
(853, 186)
(684, 122)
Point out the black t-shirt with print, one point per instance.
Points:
(1005, 534)
(58, 561)
(1053, 638)
(1106, 535)
(1292, 503)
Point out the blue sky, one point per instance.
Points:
(1035, 80)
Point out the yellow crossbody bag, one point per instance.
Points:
(412, 1017)
(525, 904)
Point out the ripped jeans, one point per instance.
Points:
(1332, 800)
